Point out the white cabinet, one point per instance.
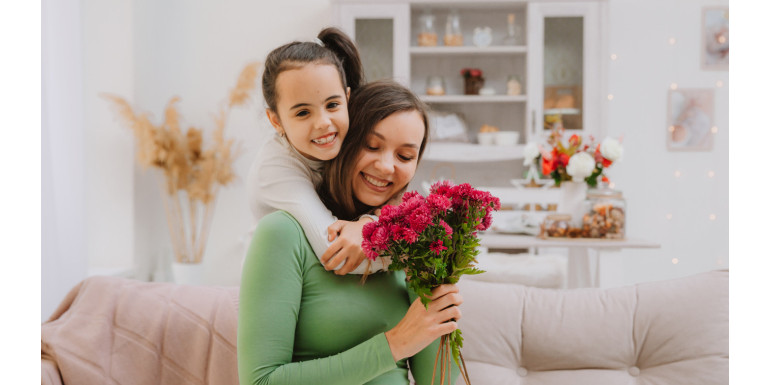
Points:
(558, 55)
(567, 65)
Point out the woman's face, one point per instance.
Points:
(312, 110)
(388, 161)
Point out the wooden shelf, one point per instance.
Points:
(465, 50)
(474, 98)
(469, 152)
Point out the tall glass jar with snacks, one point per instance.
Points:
(428, 37)
(605, 214)
(453, 36)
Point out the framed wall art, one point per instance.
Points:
(690, 120)
(715, 39)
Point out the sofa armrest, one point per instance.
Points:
(49, 373)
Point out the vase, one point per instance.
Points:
(473, 84)
(571, 201)
(187, 273)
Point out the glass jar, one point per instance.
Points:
(513, 84)
(453, 36)
(513, 35)
(555, 226)
(435, 86)
(427, 36)
(605, 214)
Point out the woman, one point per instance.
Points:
(300, 324)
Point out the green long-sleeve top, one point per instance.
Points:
(301, 324)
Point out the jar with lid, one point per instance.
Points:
(453, 36)
(605, 214)
(514, 85)
(427, 36)
(555, 226)
(435, 86)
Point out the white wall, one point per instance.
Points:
(109, 151)
(196, 50)
(149, 51)
(639, 81)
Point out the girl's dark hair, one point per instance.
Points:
(337, 50)
(369, 105)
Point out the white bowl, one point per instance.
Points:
(487, 138)
(507, 138)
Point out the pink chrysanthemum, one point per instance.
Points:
(447, 228)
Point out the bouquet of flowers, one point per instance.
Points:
(434, 239)
(576, 160)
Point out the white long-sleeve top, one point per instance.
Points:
(281, 178)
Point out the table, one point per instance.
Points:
(578, 262)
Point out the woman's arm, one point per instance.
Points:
(270, 297)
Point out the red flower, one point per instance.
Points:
(438, 203)
(475, 73)
(574, 140)
(446, 227)
(547, 165)
(437, 247)
(601, 159)
(562, 160)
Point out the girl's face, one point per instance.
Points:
(312, 109)
(389, 160)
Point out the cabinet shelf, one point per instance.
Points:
(464, 50)
(469, 152)
(561, 111)
(473, 98)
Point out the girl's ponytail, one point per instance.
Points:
(337, 49)
(344, 48)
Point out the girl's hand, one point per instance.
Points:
(346, 247)
(420, 327)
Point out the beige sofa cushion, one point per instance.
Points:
(669, 332)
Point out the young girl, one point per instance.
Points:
(306, 86)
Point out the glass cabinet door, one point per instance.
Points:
(565, 67)
(381, 32)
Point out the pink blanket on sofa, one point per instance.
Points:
(118, 331)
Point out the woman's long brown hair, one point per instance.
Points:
(369, 105)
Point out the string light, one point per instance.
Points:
(671, 40)
(719, 83)
(671, 128)
(610, 97)
(711, 174)
(720, 262)
(675, 261)
(712, 217)
(674, 86)
(612, 185)
(714, 130)
(669, 216)
(677, 173)
(614, 57)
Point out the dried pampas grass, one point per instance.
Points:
(192, 172)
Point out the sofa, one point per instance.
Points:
(118, 331)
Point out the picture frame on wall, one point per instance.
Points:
(690, 120)
(715, 39)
